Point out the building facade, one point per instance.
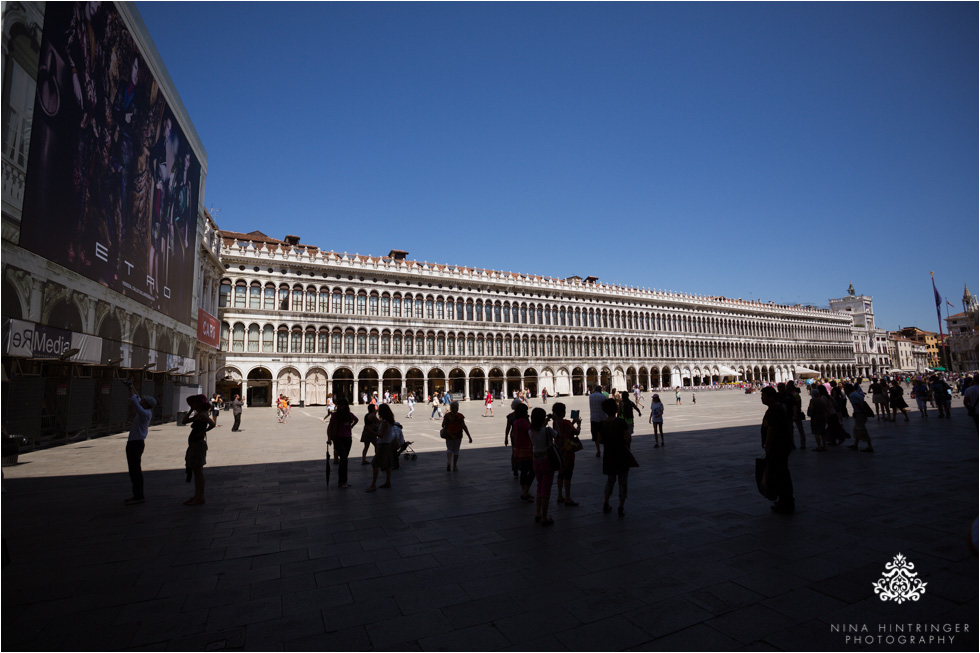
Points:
(963, 331)
(871, 355)
(304, 322)
(100, 235)
(928, 339)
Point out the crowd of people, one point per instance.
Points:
(543, 445)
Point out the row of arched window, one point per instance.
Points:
(242, 294)
(285, 339)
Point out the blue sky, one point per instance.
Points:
(764, 151)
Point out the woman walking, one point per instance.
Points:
(435, 406)
(657, 419)
(568, 430)
(542, 436)
(383, 453)
(340, 433)
(817, 411)
(897, 402)
(197, 445)
(879, 396)
(488, 404)
(370, 432)
(615, 455)
(454, 425)
(920, 392)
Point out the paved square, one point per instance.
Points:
(453, 561)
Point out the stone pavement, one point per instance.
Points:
(454, 561)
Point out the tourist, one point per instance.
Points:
(596, 416)
(920, 392)
(568, 442)
(970, 398)
(777, 439)
(411, 405)
(896, 401)
(136, 443)
(488, 404)
(454, 425)
(521, 449)
(941, 393)
(616, 460)
(626, 410)
(542, 436)
(817, 411)
(797, 412)
(216, 405)
(236, 412)
(677, 396)
(340, 432)
(544, 395)
(383, 451)
(435, 407)
(879, 395)
(197, 445)
(657, 419)
(861, 413)
(369, 433)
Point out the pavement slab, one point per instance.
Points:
(277, 559)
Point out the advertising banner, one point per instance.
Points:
(208, 328)
(112, 184)
(29, 340)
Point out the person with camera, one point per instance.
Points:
(197, 445)
(137, 441)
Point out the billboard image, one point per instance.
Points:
(112, 183)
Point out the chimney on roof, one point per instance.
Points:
(591, 279)
(398, 254)
(291, 240)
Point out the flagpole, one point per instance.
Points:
(939, 317)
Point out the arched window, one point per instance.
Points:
(385, 306)
(361, 343)
(238, 337)
(224, 293)
(396, 344)
(348, 343)
(386, 344)
(429, 309)
(269, 303)
(349, 304)
(323, 339)
(225, 333)
(324, 300)
(268, 338)
(335, 342)
(240, 291)
(396, 306)
(362, 304)
(296, 342)
(430, 346)
(253, 337)
(310, 341)
(282, 341)
(373, 305)
(373, 343)
(469, 311)
(338, 299)
(297, 299)
(496, 312)
(255, 295)
(311, 300)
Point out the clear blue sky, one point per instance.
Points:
(765, 151)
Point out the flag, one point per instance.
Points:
(951, 304)
(939, 301)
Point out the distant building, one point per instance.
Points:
(871, 355)
(907, 355)
(963, 335)
(929, 339)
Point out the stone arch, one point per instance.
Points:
(288, 384)
(316, 387)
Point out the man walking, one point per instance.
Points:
(137, 442)
(777, 440)
(236, 411)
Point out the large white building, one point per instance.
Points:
(304, 322)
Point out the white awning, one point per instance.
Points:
(806, 373)
(724, 370)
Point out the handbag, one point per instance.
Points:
(555, 458)
(573, 444)
(442, 433)
(762, 479)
